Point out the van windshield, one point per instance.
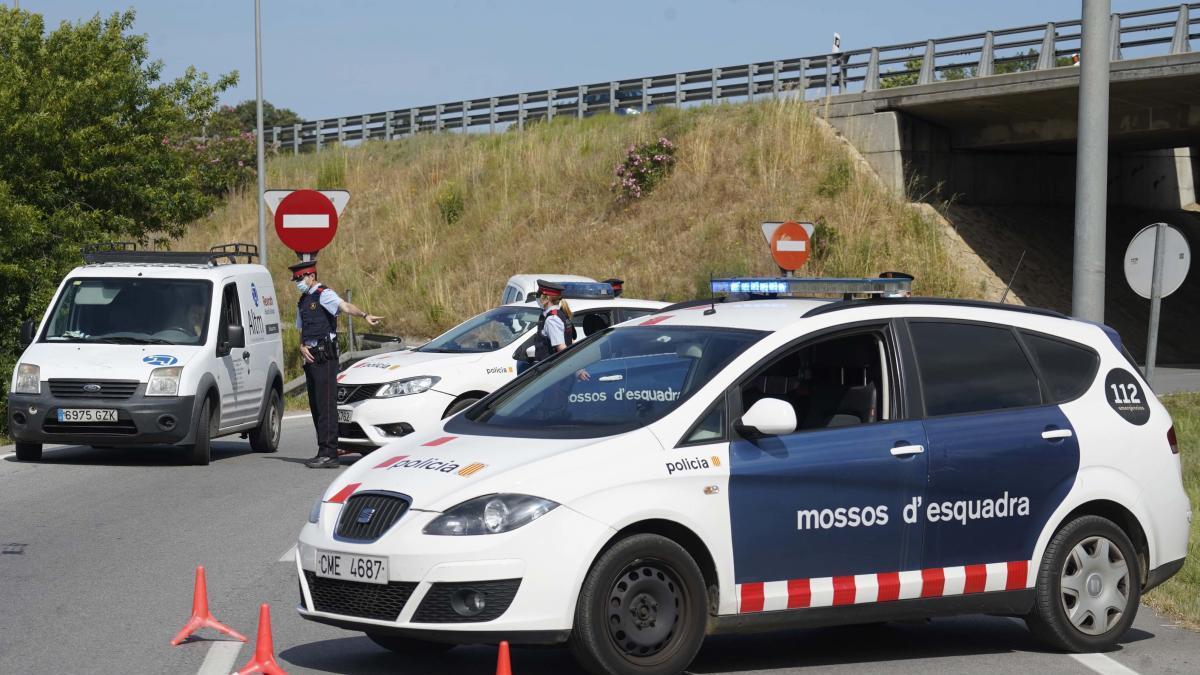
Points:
(492, 330)
(622, 379)
(131, 311)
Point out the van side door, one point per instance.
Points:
(260, 342)
(1002, 454)
(233, 377)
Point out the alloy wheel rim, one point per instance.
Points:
(644, 608)
(1094, 585)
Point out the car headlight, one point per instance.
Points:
(407, 386)
(314, 514)
(164, 381)
(29, 379)
(490, 514)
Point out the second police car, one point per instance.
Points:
(767, 464)
(390, 395)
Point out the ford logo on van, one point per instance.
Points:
(161, 360)
(91, 388)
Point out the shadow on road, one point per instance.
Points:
(872, 646)
(149, 455)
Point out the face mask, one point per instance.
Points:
(301, 286)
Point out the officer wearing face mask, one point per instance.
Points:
(316, 317)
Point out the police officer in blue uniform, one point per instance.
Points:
(555, 332)
(316, 317)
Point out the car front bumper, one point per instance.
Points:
(141, 420)
(536, 570)
(375, 422)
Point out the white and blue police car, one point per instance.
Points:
(765, 464)
(390, 395)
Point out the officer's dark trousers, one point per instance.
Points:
(321, 379)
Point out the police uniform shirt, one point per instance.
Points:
(332, 304)
(554, 329)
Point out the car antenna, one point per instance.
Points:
(1013, 277)
(712, 297)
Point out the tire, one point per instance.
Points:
(661, 607)
(29, 452)
(200, 452)
(459, 406)
(1095, 557)
(409, 646)
(265, 437)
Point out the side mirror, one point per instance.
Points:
(27, 329)
(235, 337)
(768, 417)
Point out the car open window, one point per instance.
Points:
(620, 380)
(591, 321)
(1067, 367)
(968, 367)
(494, 329)
(231, 313)
(835, 381)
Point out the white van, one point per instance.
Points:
(520, 286)
(149, 348)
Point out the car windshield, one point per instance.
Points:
(492, 330)
(619, 380)
(131, 311)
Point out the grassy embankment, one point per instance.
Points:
(1179, 598)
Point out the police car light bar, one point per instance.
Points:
(587, 290)
(809, 286)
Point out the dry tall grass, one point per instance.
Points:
(540, 201)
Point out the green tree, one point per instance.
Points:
(232, 120)
(89, 151)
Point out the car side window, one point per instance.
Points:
(1068, 368)
(587, 323)
(835, 382)
(628, 313)
(972, 368)
(710, 428)
(231, 312)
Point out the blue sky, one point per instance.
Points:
(326, 59)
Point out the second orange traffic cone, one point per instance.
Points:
(503, 667)
(201, 617)
(264, 648)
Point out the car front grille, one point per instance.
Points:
(111, 389)
(51, 425)
(351, 598)
(350, 430)
(353, 394)
(437, 605)
(380, 511)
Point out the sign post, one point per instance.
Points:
(1156, 263)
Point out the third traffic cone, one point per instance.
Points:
(264, 648)
(201, 617)
(503, 667)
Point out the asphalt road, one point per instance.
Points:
(98, 550)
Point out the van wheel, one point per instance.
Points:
(459, 406)
(1088, 587)
(200, 452)
(409, 646)
(29, 452)
(641, 610)
(265, 437)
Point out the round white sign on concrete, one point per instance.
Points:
(1139, 261)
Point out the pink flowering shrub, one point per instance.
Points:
(645, 165)
(222, 163)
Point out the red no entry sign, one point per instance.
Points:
(306, 221)
(790, 245)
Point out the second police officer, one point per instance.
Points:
(316, 317)
(555, 332)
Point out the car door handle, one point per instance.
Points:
(1057, 434)
(907, 450)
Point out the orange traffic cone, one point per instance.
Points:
(201, 617)
(503, 667)
(264, 648)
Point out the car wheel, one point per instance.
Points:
(1088, 587)
(29, 452)
(200, 452)
(459, 406)
(265, 437)
(641, 610)
(409, 646)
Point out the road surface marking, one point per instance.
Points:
(1103, 664)
(221, 657)
(11, 454)
(288, 555)
(296, 417)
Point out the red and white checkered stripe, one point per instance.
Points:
(936, 582)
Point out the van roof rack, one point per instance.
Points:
(126, 252)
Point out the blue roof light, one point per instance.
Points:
(810, 286)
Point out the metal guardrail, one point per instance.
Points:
(955, 57)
